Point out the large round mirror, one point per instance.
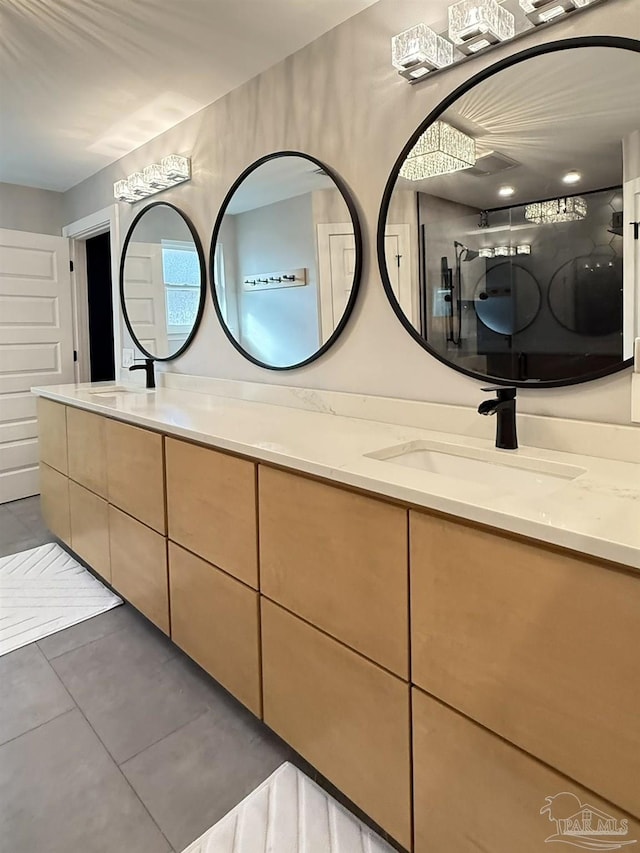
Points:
(504, 224)
(162, 281)
(285, 260)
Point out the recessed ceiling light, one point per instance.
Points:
(572, 177)
(506, 192)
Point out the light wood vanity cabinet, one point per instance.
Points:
(344, 714)
(135, 463)
(215, 620)
(87, 450)
(139, 566)
(211, 504)
(307, 600)
(540, 646)
(475, 792)
(52, 434)
(339, 560)
(54, 502)
(90, 529)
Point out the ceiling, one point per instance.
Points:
(554, 113)
(276, 180)
(83, 82)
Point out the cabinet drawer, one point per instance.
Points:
(473, 791)
(214, 619)
(52, 434)
(344, 714)
(87, 450)
(90, 528)
(54, 502)
(136, 472)
(211, 500)
(339, 560)
(537, 645)
(139, 566)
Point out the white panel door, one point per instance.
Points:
(397, 244)
(336, 265)
(36, 347)
(145, 296)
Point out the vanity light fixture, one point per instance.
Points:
(172, 170)
(418, 50)
(487, 253)
(476, 24)
(441, 150)
(506, 192)
(524, 249)
(557, 210)
(572, 177)
(504, 251)
(543, 11)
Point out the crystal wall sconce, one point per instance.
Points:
(419, 50)
(543, 11)
(505, 251)
(440, 150)
(172, 170)
(476, 24)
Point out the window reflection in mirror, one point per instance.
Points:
(162, 282)
(285, 260)
(504, 239)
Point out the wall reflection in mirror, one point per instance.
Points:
(505, 233)
(162, 282)
(285, 260)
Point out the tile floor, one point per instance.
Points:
(112, 740)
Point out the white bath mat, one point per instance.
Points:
(288, 813)
(43, 591)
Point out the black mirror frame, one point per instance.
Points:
(203, 280)
(357, 273)
(538, 50)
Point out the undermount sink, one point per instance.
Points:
(110, 390)
(496, 469)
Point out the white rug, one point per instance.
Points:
(289, 813)
(43, 591)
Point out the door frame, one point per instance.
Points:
(79, 232)
(631, 250)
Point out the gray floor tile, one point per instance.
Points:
(12, 529)
(92, 629)
(32, 693)
(193, 777)
(60, 792)
(132, 688)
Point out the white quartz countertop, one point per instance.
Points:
(597, 513)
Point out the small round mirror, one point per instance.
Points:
(286, 255)
(162, 281)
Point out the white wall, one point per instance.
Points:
(28, 209)
(340, 100)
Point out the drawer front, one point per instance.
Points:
(90, 529)
(339, 560)
(54, 502)
(211, 500)
(344, 714)
(136, 473)
(475, 792)
(139, 566)
(87, 450)
(52, 434)
(539, 646)
(214, 619)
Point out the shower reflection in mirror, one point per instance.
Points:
(514, 200)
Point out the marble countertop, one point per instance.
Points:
(597, 513)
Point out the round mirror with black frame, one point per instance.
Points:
(162, 281)
(285, 260)
(502, 228)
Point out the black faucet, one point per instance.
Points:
(504, 406)
(148, 367)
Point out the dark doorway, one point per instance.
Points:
(100, 308)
